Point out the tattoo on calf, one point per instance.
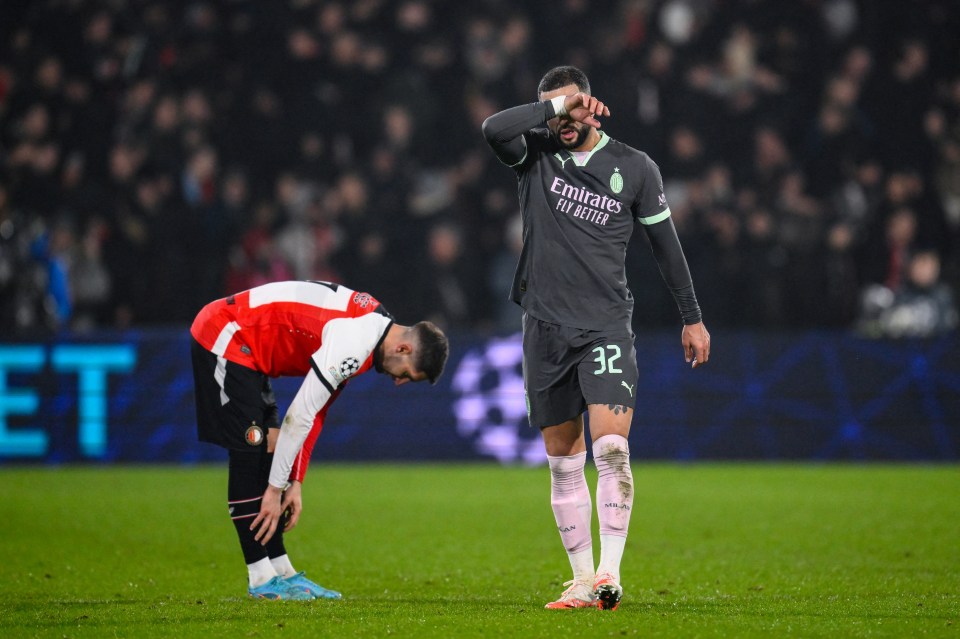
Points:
(617, 408)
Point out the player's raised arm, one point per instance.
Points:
(504, 131)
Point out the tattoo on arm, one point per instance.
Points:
(617, 408)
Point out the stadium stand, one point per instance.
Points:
(155, 155)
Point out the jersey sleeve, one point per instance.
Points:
(302, 461)
(651, 210)
(673, 267)
(509, 132)
(650, 205)
(347, 344)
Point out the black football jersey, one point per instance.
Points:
(579, 211)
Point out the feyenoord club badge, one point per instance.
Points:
(362, 299)
(254, 435)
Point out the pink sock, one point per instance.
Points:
(570, 499)
(611, 453)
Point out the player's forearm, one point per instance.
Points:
(511, 123)
(674, 268)
(296, 425)
(503, 131)
(292, 434)
(302, 461)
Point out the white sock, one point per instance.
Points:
(261, 572)
(572, 510)
(611, 453)
(611, 552)
(582, 564)
(283, 566)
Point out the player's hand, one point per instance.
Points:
(696, 344)
(585, 108)
(292, 502)
(269, 515)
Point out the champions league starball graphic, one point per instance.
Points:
(349, 366)
(490, 407)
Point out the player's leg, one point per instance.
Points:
(244, 494)
(229, 414)
(609, 428)
(249, 471)
(609, 379)
(569, 494)
(555, 406)
(276, 548)
(572, 508)
(246, 486)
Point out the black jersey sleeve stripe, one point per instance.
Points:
(376, 349)
(323, 380)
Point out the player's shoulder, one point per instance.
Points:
(638, 163)
(354, 336)
(629, 153)
(367, 324)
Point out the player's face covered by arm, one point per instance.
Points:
(505, 131)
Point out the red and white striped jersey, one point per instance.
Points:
(275, 328)
(289, 329)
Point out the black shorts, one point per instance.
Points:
(565, 369)
(235, 404)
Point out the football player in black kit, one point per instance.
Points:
(581, 195)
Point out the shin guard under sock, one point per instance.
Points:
(244, 494)
(570, 499)
(611, 453)
(275, 547)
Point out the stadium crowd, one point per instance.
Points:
(157, 154)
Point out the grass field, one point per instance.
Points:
(448, 551)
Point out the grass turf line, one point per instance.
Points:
(715, 550)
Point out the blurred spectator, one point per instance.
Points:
(889, 255)
(922, 307)
(901, 96)
(256, 259)
(506, 313)
(448, 290)
(90, 281)
(840, 276)
(155, 155)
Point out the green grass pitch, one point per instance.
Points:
(715, 550)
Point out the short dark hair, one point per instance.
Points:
(558, 77)
(433, 348)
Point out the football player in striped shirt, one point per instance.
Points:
(323, 332)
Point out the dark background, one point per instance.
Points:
(157, 155)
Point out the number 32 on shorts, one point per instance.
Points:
(606, 356)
